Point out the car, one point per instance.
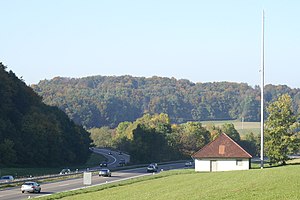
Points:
(122, 162)
(155, 164)
(188, 164)
(109, 153)
(65, 171)
(152, 168)
(6, 179)
(103, 164)
(120, 153)
(105, 172)
(31, 186)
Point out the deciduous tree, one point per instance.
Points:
(282, 136)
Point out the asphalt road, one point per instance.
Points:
(114, 158)
(65, 185)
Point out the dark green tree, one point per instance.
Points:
(282, 133)
(148, 145)
(7, 152)
(231, 131)
(28, 125)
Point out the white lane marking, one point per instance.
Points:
(64, 184)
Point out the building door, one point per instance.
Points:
(213, 166)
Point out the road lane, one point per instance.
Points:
(114, 158)
(65, 185)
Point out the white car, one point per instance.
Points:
(65, 171)
(151, 168)
(189, 164)
(31, 187)
(105, 172)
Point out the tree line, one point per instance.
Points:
(33, 133)
(152, 138)
(99, 101)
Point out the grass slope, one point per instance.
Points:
(269, 183)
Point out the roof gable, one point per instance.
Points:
(222, 147)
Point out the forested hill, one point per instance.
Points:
(33, 133)
(108, 100)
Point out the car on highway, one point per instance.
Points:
(65, 171)
(155, 164)
(105, 172)
(109, 153)
(188, 164)
(103, 164)
(122, 162)
(6, 179)
(152, 168)
(31, 186)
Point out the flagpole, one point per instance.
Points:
(262, 93)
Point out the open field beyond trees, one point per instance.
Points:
(270, 183)
(242, 127)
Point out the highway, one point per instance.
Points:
(72, 184)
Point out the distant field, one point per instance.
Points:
(94, 160)
(242, 127)
(269, 183)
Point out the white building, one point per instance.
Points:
(222, 154)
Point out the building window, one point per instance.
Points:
(239, 162)
(222, 149)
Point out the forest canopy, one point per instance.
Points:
(33, 133)
(98, 101)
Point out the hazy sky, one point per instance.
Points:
(203, 41)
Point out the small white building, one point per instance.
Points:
(222, 154)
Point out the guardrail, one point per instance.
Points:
(93, 169)
(35, 178)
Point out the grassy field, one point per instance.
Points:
(270, 183)
(93, 161)
(242, 127)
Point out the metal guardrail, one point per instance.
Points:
(94, 169)
(35, 178)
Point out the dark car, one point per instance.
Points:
(103, 164)
(122, 162)
(6, 179)
(155, 164)
(105, 172)
(151, 168)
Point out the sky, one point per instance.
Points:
(198, 40)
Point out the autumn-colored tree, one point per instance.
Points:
(102, 137)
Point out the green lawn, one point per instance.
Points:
(269, 183)
(93, 161)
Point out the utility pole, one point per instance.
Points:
(262, 92)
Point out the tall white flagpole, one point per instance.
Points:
(262, 93)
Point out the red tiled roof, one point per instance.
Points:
(222, 147)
